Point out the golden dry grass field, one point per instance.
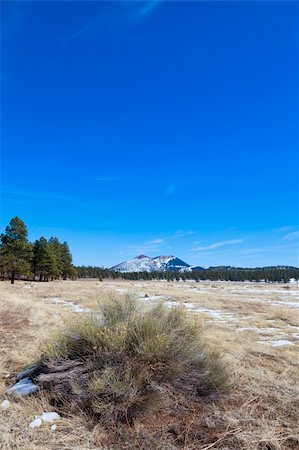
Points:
(254, 326)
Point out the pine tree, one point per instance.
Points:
(44, 263)
(67, 261)
(15, 249)
(55, 247)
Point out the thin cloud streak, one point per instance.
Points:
(149, 246)
(217, 245)
(132, 11)
(147, 8)
(50, 196)
(291, 236)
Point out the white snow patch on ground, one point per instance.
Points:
(268, 330)
(36, 423)
(220, 316)
(284, 292)
(45, 417)
(67, 304)
(50, 416)
(23, 387)
(276, 343)
(271, 302)
(150, 298)
(5, 404)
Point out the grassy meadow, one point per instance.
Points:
(253, 327)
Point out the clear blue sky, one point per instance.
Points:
(153, 127)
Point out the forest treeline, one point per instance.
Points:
(267, 274)
(45, 260)
(41, 260)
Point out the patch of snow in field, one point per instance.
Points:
(36, 423)
(271, 302)
(121, 290)
(50, 416)
(268, 330)
(23, 387)
(45, 417)
(277, 343)
(284, 292)
(295, 336)
(67, 304)
(289, 304)
(150, 298)
(5, 404)
(214, 313)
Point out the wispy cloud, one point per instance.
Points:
(287, 228)
(118, 14)
(156, 241)
(145, 8)
(291, 236)
(170, 189)
(148, 246)
(218, 244)
(181, 234)
(47, 196)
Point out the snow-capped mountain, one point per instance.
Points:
(144, 263)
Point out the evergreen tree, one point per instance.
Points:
(44, 262)
(55, 248)
(67, 261)
(15, 249)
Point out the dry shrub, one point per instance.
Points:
(123, 361)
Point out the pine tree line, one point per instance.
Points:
(267, 274)
(42, 260)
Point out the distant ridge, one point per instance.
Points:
(143, 263)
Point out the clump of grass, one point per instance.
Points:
(124, 361)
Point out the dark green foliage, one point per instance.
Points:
(47, 261)
(42, 260)
(267, 274)
(15, 249)
(67, 261)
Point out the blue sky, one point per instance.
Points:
(153, 127)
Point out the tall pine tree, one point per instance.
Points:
(67, 261)
(15, 249)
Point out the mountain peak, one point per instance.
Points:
(143, 263)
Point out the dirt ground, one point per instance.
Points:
(254, 327)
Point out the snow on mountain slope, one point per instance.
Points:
(144, 263)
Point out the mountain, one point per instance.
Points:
(143, 263)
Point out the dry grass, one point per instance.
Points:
(260, 412)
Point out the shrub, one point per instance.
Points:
(124, 360)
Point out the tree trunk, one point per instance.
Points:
(12, 281)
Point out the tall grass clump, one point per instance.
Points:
(124, 361)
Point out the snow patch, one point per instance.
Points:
(23, 387)
(277, 343)
(67, 304)
(5, 404)
(50, 416)
(36, 423)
